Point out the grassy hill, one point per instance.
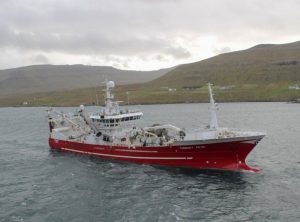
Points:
(260, 65)
(260, 73)
(47, 78)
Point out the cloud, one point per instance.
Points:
(132, 30)
(222, 50)
(178, 52)
(40, 59)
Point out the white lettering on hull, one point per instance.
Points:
(137, 151)
(128, 157)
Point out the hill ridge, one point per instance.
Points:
(254, 65)
(48, 77)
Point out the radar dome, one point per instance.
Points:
(110, 84)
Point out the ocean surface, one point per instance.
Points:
(37, 184)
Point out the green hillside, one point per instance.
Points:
(261, 73)
(260, 65)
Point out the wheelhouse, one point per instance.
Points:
(114, 120)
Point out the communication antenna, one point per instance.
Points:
(213, 109)
(97, 99)
(128, 94)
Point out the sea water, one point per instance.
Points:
(37, 184)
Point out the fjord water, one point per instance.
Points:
(37, 184)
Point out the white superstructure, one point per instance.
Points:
(111, 115)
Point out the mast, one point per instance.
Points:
(109, 97)
(213, 110)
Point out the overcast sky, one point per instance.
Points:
(139, 34)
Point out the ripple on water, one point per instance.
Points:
(41, 185)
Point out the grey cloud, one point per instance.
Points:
(161, 58)
(149, 18)
(178, 52)
(222, 50)
(90, 43)
(144, 28)
(40, 59)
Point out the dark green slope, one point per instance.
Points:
(262, 64)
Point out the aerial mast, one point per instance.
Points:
(109, 96)
(213, 110)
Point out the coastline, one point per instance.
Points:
(143, 96)
(143, 104)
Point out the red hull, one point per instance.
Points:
(228, 155)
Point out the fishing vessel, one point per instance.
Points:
(114, 133)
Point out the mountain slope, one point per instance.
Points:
(261, 73)
(262, 64)
(46, 78)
